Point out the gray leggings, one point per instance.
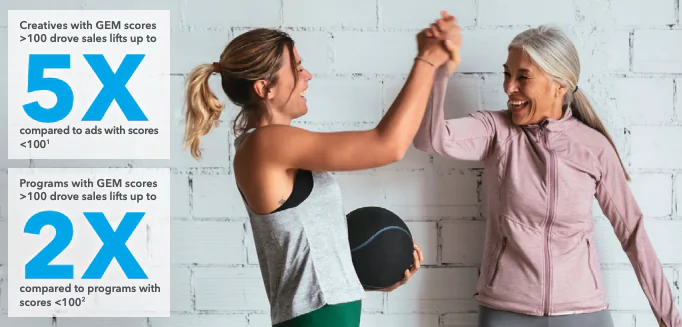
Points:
(488, 317)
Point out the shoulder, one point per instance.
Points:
(597, 146)
(500, 121)
(270, 137)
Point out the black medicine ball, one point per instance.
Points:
(381, 246)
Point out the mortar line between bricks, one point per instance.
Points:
(675, 197)
(631, 50)
(377, 12)
(674, 99)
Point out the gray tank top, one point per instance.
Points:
(303, 252)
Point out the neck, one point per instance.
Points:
(260, 120)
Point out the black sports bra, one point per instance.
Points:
(303, 186)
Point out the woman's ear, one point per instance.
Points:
(561, 90)
(262, 90)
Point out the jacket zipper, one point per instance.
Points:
(552, 195)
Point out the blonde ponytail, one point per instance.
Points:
(203, 108)
(555, 54)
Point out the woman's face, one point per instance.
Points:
(533, 94)
(288, 96)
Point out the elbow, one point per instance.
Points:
(394, 152)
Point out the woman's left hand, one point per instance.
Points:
(416, 264)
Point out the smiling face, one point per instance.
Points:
(287, 97)
(533, 94)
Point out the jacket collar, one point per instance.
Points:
(555, 125)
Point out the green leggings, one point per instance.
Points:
(336, 315)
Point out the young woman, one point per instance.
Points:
(282, 172)
(546, 157)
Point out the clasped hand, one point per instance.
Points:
(440, 42)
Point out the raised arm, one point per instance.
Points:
(620, 207)
(291, 147)
(467, 138)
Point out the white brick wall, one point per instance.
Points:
(359, 52)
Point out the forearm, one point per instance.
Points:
(433, 120)
(400, 123)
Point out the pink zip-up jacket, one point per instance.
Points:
(539, 256)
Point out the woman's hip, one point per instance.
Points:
(489, 317)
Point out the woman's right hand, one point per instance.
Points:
(441, 41)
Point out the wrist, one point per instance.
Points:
(435, 57)
(421, 60)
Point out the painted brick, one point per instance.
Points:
(24, 322)
(426, 236)
(216, 196)
(373, 52)
(207, 320)
(429, 188)
(653, 193)
(399, 320)
(646, 320)
(419, 212)
(484, 51)
(525, 12)
(207, 242)
(623, 291)
(259, 319)
(678, 190)
(180, 194)
(315, 50)
(229, 289)
(3, 244)
(643, 100)
(656, 147)
(656, 51)
(622, 13)
(251, 254)
(460, 320)
(373, 302)
(361, 190)
(403, 14)
(4, 298)
(663, 234)
(678, 99)
(657, 12)
(203, 14)
(354, 13)
(181, 290)
(335, 99)
(462, 242)
(435, 290)
(101, 322)
(624, 319)
(192, 48)
(602, 50)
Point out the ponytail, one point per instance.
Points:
(583, 111)
(203, 108)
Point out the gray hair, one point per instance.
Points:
(552, 50)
